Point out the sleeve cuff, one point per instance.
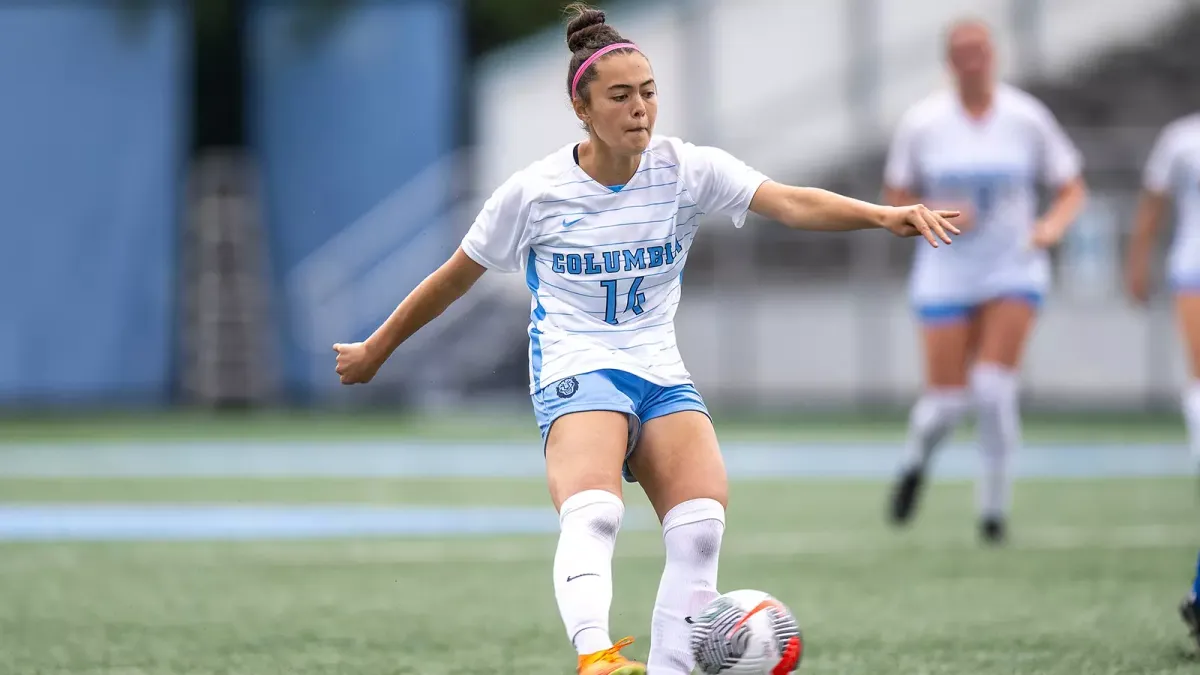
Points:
(752, 189)
(469, 248)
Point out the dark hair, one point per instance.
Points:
(587, 33)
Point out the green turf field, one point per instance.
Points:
(1088, 585)
(518, 424)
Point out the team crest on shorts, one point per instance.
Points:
(567, 388)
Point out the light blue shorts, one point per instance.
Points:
(952, 312)
(1185, 284)
(617, 391)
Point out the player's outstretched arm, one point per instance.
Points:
(825, 211)
(358, 362)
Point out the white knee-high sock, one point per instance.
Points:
(692, 533)
(589, 522)
(996, 391)
(931, 421)
(1191, 417)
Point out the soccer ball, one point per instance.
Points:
(746, 632)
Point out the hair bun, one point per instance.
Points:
(587, 29)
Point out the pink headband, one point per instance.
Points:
(592, 59)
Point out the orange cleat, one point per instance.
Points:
(610, 662)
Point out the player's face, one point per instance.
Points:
(970, 54)
(624, 103)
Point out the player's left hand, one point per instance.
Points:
(919, 221)
(356, 363)
(1046, 235)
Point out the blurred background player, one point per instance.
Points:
(1172, 175)
(1190, 608)
(981, 148)
(601, 230)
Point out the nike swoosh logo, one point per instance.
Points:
(586, 574)
(567, 223)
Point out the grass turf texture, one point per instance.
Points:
(1087, 586)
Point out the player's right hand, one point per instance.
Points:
(917, 220)
(356, 363)
(1137, 283)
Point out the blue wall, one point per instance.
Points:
(92, 124)
(342, 119)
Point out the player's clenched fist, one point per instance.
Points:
(356, 364)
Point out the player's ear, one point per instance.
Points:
(581, 110)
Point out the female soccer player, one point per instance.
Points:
(980, 149)
(601, 230)
(1173, 170)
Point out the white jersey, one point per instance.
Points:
(604, 265)
(994, 165)
(1174, 169)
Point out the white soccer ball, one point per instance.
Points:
(746, 632)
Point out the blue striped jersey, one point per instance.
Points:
(604, 264)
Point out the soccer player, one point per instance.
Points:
(1190, 608)
(601, 230)
(1172, 173)
(981, 148)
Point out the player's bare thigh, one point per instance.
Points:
(678, 459)
(1005, 326)
(1187, 313)
(585, 451)
(948, 349)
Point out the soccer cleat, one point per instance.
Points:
(610, 662)
(993, 531)
(1189, 611)
(905, 494)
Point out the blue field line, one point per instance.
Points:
(167, 522)
(524, 460)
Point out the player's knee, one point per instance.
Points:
(940, 407)
(597, 513)
(695, 528)
(994, 387)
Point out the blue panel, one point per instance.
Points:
(343, 118)
(91, 131)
